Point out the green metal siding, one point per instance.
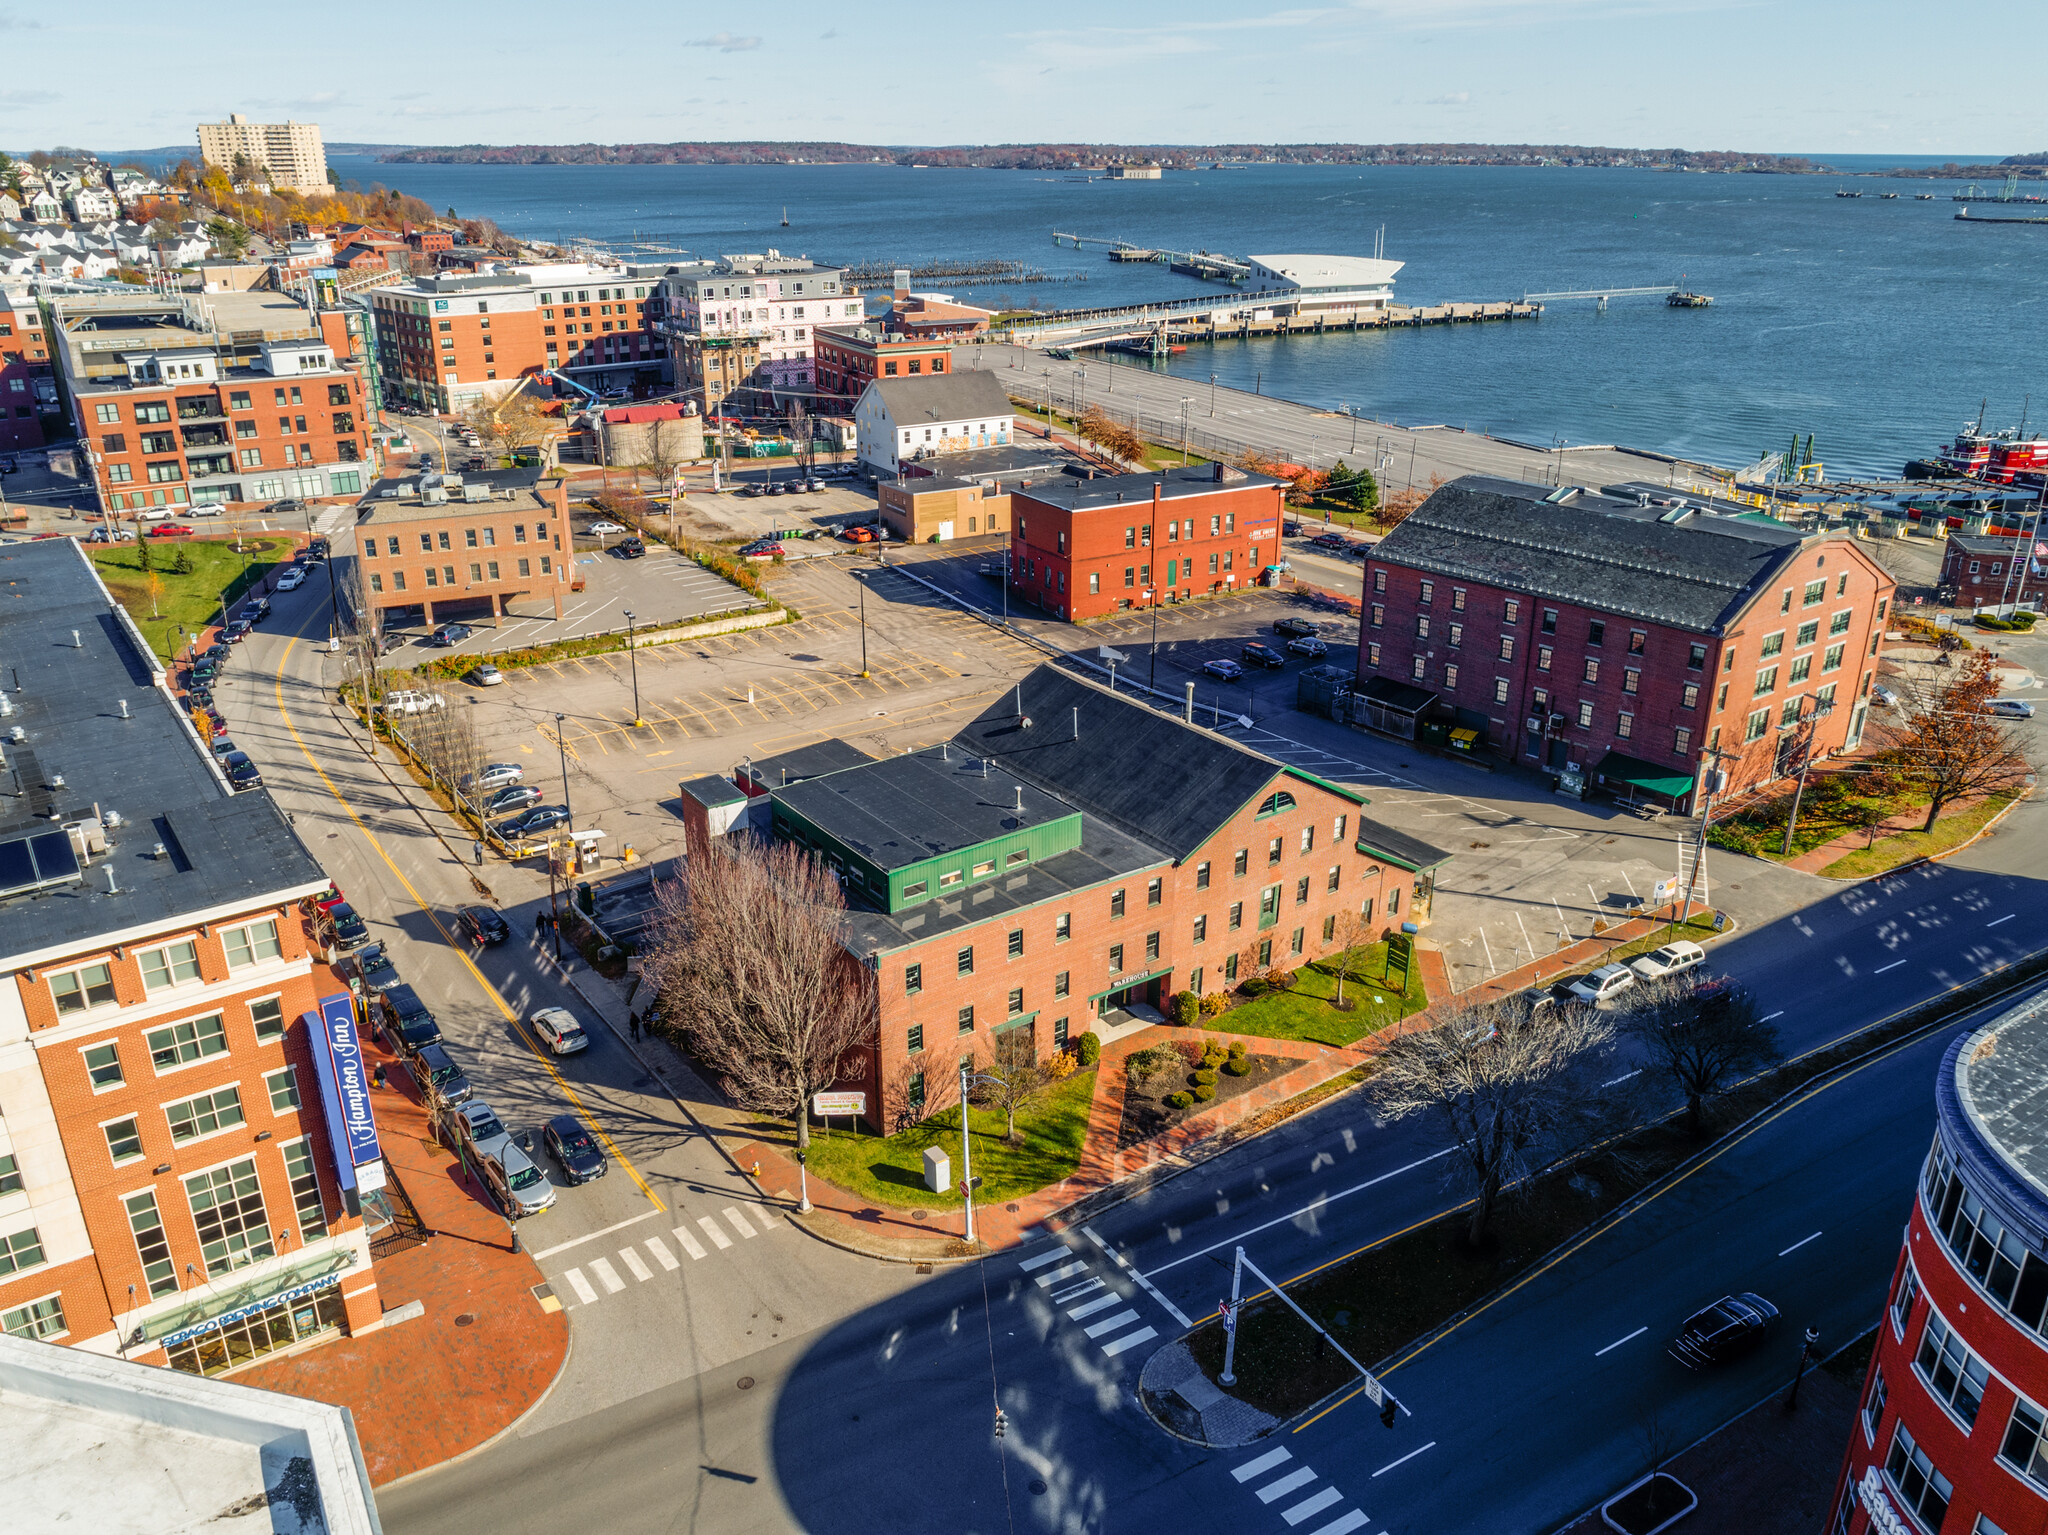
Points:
(1041, 842)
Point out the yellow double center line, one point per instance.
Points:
(461, 950)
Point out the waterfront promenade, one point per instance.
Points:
(1222, 422)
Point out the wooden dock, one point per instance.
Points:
(1394, 315)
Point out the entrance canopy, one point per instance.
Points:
(1649, 777)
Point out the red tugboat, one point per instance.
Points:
(2005, 457)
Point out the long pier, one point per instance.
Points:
(1182, 322)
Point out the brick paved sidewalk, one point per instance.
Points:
(484, 1352)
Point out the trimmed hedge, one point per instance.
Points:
(1180, 1100)
(1205, 1078)
(1237, 1065)
(1206, 1091)
(1089, 1049)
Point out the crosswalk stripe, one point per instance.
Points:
(581, 1286)
(636, 1263)
(738, 1222)
(662, 1255)
(607, 1276)
(710, 1228)
(1300, 1476)
(1262, 1464)
(767, 1219)
(1112, 1324)
(1051, 1255)
(1132, 1340)
(1064, 1271)
(1313, 1505)
(691, 1245)
(1096, 1305)
(1344, 1526)
(1075, 1291)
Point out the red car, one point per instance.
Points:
(170, 530)
(327, 899)
(861, 535)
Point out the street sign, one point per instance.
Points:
(1229, 1314)
(1665, 891)
(825, 1105)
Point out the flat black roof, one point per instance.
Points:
(904, 810)
(1130, 490)
(795, 766)
(147, 768)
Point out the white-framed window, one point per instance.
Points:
(305, 1185)
(103, 1066)
(1915, 1481)
(146, 1222)
(21, 1250)
(124, 1139)
(81, 990)
(267, 1014)
(1873, 1407)
(283, 1086)
(206, 1114)
(227, 1209)
(172, 965)
(40, 1319)
(250, 944)
(1902, 1301)
(181, 1044)
(1953, 1375)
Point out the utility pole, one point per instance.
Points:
(1709, 786)
(1230, 1316)
(1807, 726)
(562, 748)
(1184, 402)
(863, 628)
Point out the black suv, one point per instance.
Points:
(436, 1072)
(1256, 654)
(1733, 1325)
(406, 1023)
(346, 930)
(630, 549)
(1295, 626)
(482, 924)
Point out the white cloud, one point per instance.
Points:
(1450, 99)
(28, 98)
(725, 42)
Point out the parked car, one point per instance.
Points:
(292, 579)
(520, 1188)
(258, 610)
(482, 925)
(218, 652)
(1256, 653)
(536, 820)
(498, 774)
(201, 673)
(602, 528)
(1223, 671)
(316, 549)
(2011, 708)
(243, 774)
(1307, 647)
(374, 969)
(560, 1031)
(238, 631)
(439, 1077)
(327, 899)
(409, 701)
(451, 634)
(574, 1149)
(170, 530)
(630, 549)
(477, 1123)
(346, 930)
(511, 800)
(405, 1022)
(1298, 626)
(1884, 697)
(755, 489)
(1607, 981)
(1729, 1328)
(761, 549)
(485, 676)
(1672, 959)
(860, 533)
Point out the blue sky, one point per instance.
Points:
(1791, 76)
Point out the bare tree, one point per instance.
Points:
(913, 1089)
(1515, 1088)
(445, 740)
(1013, 1077)
(750, 960)
(1951, 747)
(1701, 1032)
(1354, 931)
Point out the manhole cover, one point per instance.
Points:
(467, 1319)
(746, 1383)
(917, 1215)
(1011, 1208)
(332, 835)
(1037, 1488)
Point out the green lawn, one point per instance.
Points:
(1308, 1012)
(890, 1170)
(1890, 852)
(192, 599)
(1852, 799)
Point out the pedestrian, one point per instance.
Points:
(540, 923)
(479, 846)
(633, 1023)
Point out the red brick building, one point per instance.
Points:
(1952, 1431)
(26, 389)
(850, 357)
(1985, 571)
(1631, 641)
(1084, 548)
(185, 1144)
(1043, 872)
(239, 400)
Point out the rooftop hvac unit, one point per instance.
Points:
(434, 496)
(476, 492)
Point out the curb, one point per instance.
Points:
(1946, 853)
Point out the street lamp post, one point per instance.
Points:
(568, 808)
(632, 665)
(1184, 403)
(1152, 675)
(968, 1079)
(1212, 394)
(863, 627)
(1799, 1370)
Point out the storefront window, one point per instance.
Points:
(220, 1349)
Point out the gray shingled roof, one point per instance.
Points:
(971, 396)
(1690, 570)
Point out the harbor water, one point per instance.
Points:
(1875, 325)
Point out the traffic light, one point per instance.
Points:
(1389, 1410)
(1002, 1423)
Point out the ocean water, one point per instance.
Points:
(1876, 326)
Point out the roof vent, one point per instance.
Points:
(122, 703)
(76, 642)
(112, 888)
(17, 735)
(157, 852)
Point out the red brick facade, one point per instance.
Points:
(1184, 540)
(1984, 573)
(846, 364)
(24, 359)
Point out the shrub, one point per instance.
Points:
(1206, 1091)
(1279, 979)
(1180, 1101)
(1060, 1066)
(1205, 1078)
(1187, 1007)
(1088, 1049)
(1141, 1065)
(1215, 1004)
(1237, 1065)
(1238, 1047)
(1987, 621)
(1257, 986)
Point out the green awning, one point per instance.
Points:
(1650, 777)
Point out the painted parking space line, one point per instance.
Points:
(1617, 1343)
(1799, 1244)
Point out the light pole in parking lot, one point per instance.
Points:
(633, 664)
(1184, 403)
(1152, 676)
(562, 748)
(863, 627)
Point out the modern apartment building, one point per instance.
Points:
(226, 399)
(1627, 638)
(447, 342)
(461, 547)
(186, 1142)
(290, 153)
(1073, 851)
(27, 388)
(1082, 548)
(1952, 1433)
(749, 323)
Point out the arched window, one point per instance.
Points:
(1275, 803)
